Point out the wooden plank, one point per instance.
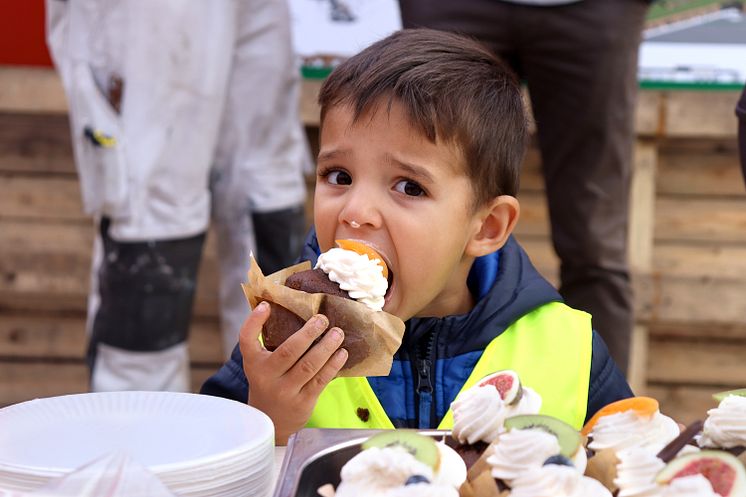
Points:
(705, 301)
(47, 198)
(699, 361)
(648, 113)
(677, 330)
(684, 403)
(701, 219)
(54, 336)
(31, 89)
(36, 143)
(700, 113)
(24, 381)
(46, 266)
(640, 239)
(699, 167)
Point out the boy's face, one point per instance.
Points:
(410, 199)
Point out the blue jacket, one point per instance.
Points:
(438, 354)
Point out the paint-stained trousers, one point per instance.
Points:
(207, 132)
(579, 62)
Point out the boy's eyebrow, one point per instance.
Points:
(413, 169)
(333, 154)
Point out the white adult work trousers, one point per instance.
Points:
(208, 127)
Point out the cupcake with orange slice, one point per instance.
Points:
(348, 285)
(628, 423)
(622, 433)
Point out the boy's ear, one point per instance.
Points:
(497, 220)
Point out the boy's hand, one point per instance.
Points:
(286, 383)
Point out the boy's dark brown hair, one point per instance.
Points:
(454, 90)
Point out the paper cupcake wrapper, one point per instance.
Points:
(382, 332)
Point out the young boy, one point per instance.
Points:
(422, 137)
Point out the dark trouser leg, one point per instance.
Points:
(581, 72)
(741, 112)
(279, 237)
(580, 62)
(145, 296)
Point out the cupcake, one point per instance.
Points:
(479, 412)
(725, 426)
(348, 286)
(554, 480)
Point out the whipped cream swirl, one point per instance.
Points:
(636, 472)
(624, 430)
(381, 472)
(556, 481)
(725, 426)
(361, 277)
(375, 471)
(517, 451)
(688, 486)
(479, 412)
(422, 490)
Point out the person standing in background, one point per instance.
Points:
(741, 113)
(579, 61)
(181, 111)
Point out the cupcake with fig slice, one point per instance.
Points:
(348, 285)
(479, 412)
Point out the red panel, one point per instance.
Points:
(22, 39)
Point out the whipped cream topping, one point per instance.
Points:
(516, 451)
(556, 481)
(375, 471)
(624, 430)
(422, 490)
(479, 412)
(384, 471)
(636, 472)
(688, 486)
(356, 274)
(452, 470)
(725, 426)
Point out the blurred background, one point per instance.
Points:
(687, 220)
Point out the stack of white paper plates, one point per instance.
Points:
(197, 445)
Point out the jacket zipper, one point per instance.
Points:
(424, 383)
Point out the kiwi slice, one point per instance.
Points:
(741, 392)
(423, 448)
(567, 436)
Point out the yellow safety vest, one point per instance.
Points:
(550, 349)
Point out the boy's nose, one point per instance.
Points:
(360, 212)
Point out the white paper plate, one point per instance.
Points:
(165, 431)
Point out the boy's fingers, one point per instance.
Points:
(327, 373)
(248, 337)
(291, 350)
(314, 360)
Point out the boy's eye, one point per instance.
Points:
(338, 178)
(409, 188)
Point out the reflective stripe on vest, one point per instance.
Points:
(550, 349)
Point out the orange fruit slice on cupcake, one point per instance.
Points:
(642, 406)
(363, 249)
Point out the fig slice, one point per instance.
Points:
(724, 471)
(507, 384)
